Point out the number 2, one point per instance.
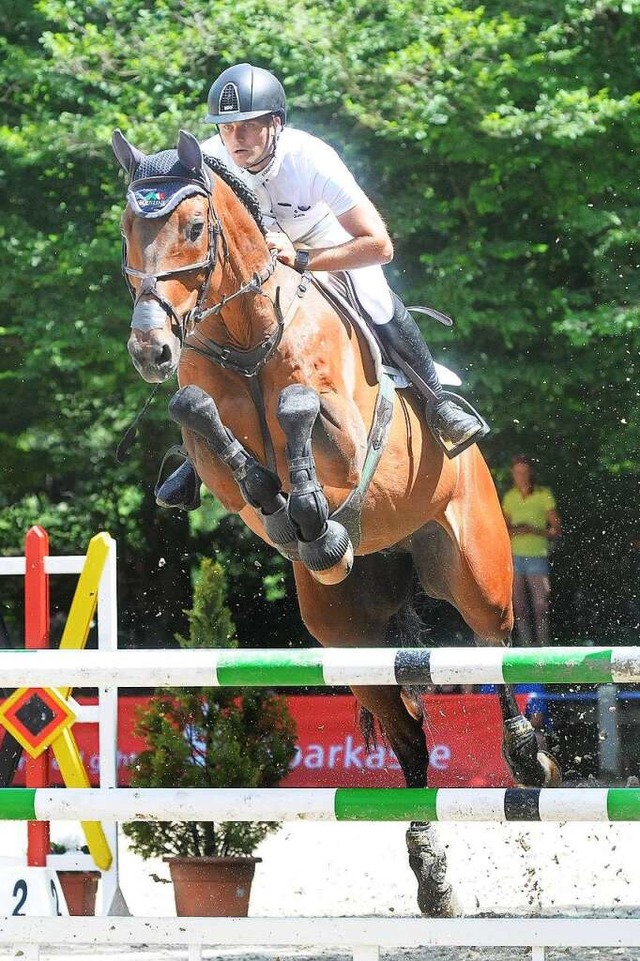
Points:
(20, 888)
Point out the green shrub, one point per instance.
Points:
(209, 737)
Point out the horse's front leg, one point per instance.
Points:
(324, 546)
(193, 408)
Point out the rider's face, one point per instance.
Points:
(249, 141)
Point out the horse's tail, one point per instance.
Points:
(403, 630)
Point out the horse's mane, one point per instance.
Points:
(240, 189)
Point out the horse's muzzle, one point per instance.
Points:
(155, 354)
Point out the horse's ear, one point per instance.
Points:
(128, 156)
(190, 152)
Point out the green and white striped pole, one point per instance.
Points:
(325, 804)
(319, 667)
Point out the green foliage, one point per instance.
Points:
(500, 141)
(210, 737)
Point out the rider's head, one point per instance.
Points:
(249, 106)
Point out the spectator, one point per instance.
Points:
(532, 520)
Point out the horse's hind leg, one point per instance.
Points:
(356, 613)
(528, 764)
(462, 560)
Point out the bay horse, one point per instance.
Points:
(285, 421)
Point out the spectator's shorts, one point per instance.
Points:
(530, 565)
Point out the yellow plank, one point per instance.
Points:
(74, 774)
(85, 599)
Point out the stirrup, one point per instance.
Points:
(190, 503)
(444, 443)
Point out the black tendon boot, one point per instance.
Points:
(181, 489)
(454, 427)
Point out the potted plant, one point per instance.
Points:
(79, 885)
(210, 737)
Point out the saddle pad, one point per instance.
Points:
(339, 290)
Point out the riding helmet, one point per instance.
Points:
(243, 92)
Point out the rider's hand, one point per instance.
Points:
(285, 251)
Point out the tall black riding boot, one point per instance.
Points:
(181, 489)
(455, 427)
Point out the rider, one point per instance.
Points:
(317, 219)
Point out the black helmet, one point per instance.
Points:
(243, 92)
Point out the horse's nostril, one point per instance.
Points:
(165, 354)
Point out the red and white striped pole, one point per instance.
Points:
(36, 637)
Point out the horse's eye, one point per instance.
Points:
(194, 231)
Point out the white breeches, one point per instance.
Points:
(370, 283)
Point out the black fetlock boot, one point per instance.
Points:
(454, 426)
(182, 488)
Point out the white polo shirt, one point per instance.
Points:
(305, 183)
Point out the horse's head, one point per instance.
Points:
(169, 231)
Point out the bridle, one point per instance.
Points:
(186, 324)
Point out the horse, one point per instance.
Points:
(285, 420)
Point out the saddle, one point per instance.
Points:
(338, 289)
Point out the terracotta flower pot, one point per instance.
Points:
(212, 887)
(80, 889)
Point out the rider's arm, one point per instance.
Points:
(370, 242)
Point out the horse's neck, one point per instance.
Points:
(243, 318)
(246, 318)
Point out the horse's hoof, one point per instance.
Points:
(280, 529)
(338, 573)
(437, 902)
(428, 861)
(529, 766)
(329, 558)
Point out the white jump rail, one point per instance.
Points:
(364, 937)
(320, 667)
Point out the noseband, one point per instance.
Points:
(184, 325)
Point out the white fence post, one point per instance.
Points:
(112, 900)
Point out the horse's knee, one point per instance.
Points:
(194, 409)
(182, 402)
